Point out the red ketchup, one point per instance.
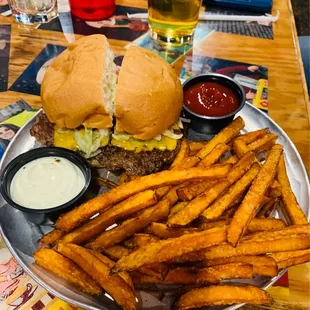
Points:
(210, 99)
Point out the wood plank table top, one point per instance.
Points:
(288, 97)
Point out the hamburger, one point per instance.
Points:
(126, 121)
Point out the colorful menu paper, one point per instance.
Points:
(5, 38)
(12, 118)
(30, 80)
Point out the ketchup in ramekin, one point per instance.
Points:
(211, 101)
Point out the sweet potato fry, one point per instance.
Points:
(262, 265)
(129, 227)
(127, 278)
(116, 252)
(197, 205)
(183, 153)
(263, 144)
(90, 263)
(191, 275)
(188, 162)
(196, 146)
(275, 184)
(51, 237)
(228, 214)
(143, 239)
(268, 208)
(214, 155)
(211, 224)
(224, 202)
(172, 195)
(129, 243)
(191, 191)
(241, 167)
(264, 200)
(66, 269)
(291, 258)
(161, 192)
(230, 160)
(251, 247)
(97, 225)
(240, 148)
(73, 218)
(165, 250)
(169, 191)
(279, 232)
(292, 208)
(163, 232)
(158, 270)
(224, 136)
(124, 275)
(252, 136)
(200, 203)
(125, 178)
(236, 202)
(256, 247)
(238, 170)
(266, 224)
(274, 190)
(223, 295)
(176, 208)
(254, 226)
(141, 278)
(253, 198)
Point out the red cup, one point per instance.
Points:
(92, 9)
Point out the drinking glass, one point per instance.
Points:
(92, 10)
(33, 11)
(173, 21)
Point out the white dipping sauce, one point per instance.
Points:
(46, 182)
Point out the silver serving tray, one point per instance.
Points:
(21, 236)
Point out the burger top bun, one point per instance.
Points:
(78, 87)
(148, 96)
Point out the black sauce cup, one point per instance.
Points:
(212, 124)
(39, 216)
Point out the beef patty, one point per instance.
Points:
(112, 157)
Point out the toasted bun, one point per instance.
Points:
(78, 87)
(148, 95)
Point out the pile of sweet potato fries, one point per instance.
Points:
(207, 219)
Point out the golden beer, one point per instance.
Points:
(173, 21)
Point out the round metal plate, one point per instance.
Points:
(21, 236)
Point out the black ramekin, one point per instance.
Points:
(11, 169)
(213, 124)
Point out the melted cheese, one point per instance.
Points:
(139, 145)
(66, 140)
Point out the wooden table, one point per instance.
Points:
(288, 98)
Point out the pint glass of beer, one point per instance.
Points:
(173, 21)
